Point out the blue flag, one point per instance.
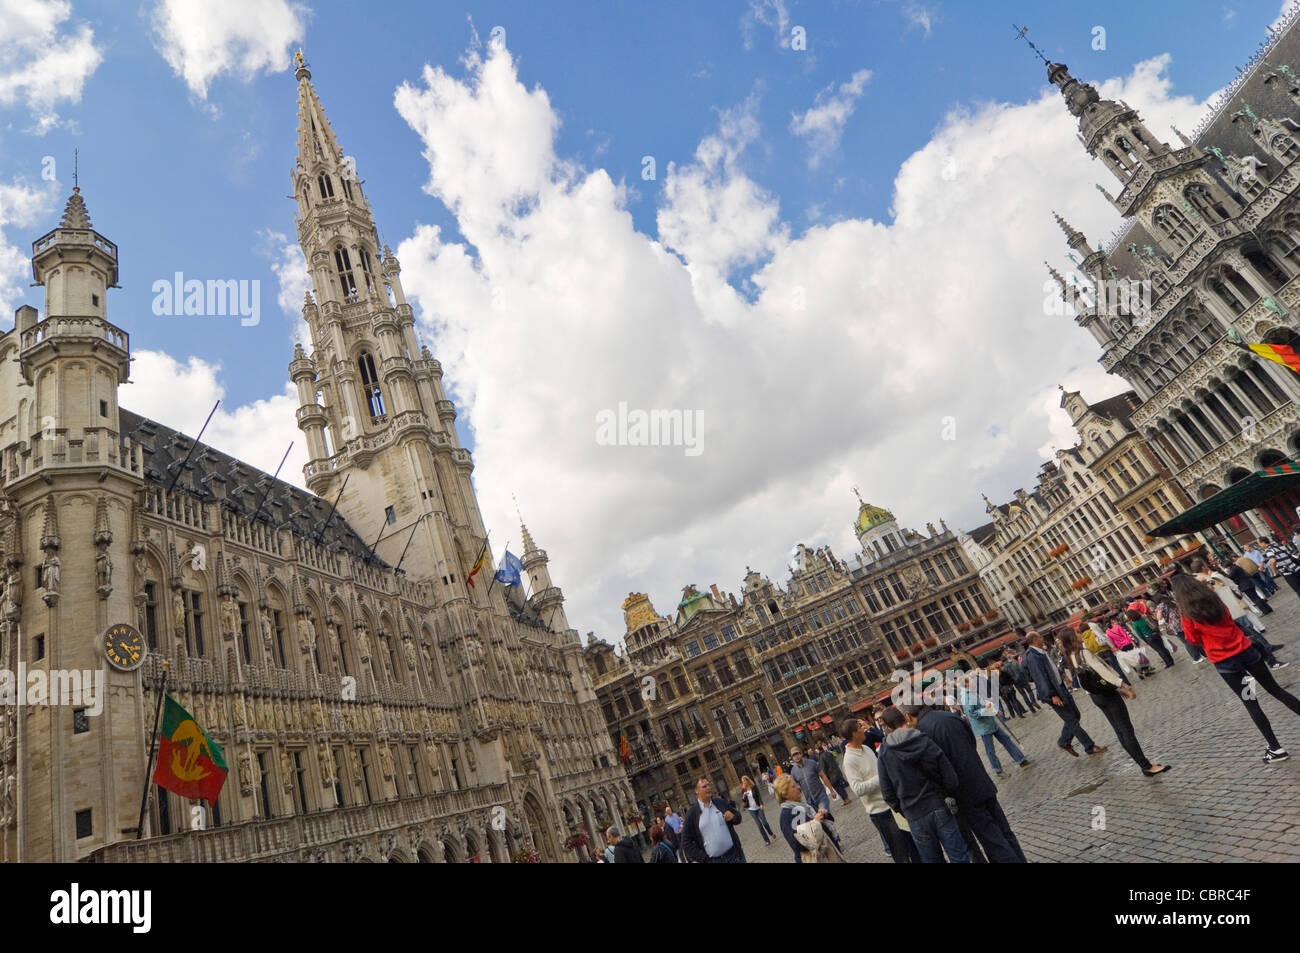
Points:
(511, 567)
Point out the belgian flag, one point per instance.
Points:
(189, 762)
(1280, 353)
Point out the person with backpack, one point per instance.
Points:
(1250, 624)
(1126, 648)
(980, 711)
(1108, 692)
(1014, 673)
(1007, 693)
(1235, 657)
(660, 851)
(1140, 626)
(1093, 636)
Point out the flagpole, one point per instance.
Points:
(153, 750)
(494, 575)
(470, 578)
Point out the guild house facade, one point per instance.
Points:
(366, 711)
(728, 684)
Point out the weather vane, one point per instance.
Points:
(1022, 31)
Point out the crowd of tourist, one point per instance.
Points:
(916, 768)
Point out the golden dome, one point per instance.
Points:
(870, 517)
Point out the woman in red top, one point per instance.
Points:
(1207, 623)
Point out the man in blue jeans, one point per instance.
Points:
(918, 781)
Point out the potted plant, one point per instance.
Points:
(576, 841)
(932, 641)
(963, 627)
(526, 856)
(991, 614)
(902, 654)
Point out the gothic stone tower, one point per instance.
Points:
(380, 436)
(68, 495)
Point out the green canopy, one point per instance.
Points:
(1260, 487)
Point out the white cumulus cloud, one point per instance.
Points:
(816, 358)
(201, 40)
(181, 394)
(46, 59)
(822, 125)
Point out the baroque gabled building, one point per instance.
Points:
(727, 685)
(366, 710)
(1082, 536)
(1211, 226)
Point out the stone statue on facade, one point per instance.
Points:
(103, 570)
(178, 612)
(246, 773)
(52, 573)
(229, 618)
(286, 769)
(308, 630)
(386, 761)
(267, 633)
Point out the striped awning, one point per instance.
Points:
(1260, 487)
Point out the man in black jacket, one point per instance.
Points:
(977, 795)
(1047, 679)
(918, 781)
(709, 832)
(625, 849)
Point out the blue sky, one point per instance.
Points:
(185, 121)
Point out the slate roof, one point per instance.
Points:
(287, 506)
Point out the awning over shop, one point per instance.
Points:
(991, 646)
(1260, 487)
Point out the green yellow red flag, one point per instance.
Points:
(189, 762)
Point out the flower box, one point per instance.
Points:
(963, 627)
(576, 841)
(932, 641)
(526, 856)
(991, 614)
(902, 654)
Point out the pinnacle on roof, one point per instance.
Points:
(75, 214)
(1056, 275)
(1072, 234)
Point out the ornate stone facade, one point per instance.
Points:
(367, 711)
(1213, 227)
(728, 684)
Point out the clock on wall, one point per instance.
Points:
(124, 647)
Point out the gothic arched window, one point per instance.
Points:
(1199, 197)
(326, 187)
(347, 283)
(367, 270)
(1174, 224)
(1284, 147)
(370, 384)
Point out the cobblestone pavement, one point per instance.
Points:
(1220, 803)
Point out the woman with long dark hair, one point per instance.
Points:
(1107, 691)
(1207, 622)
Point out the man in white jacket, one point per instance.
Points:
(861, 771)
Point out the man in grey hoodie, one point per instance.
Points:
(918, 781)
